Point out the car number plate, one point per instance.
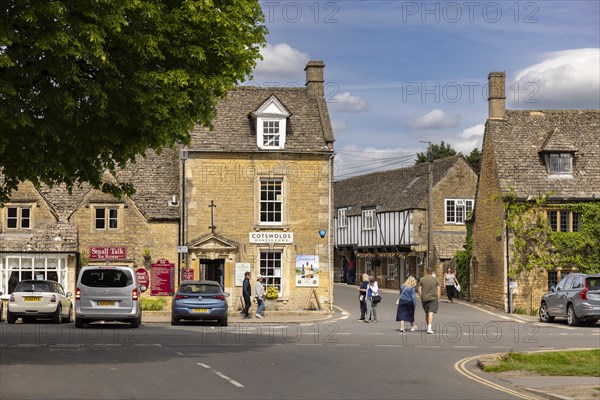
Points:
(31, 298)
(200, 310)
(106, 303)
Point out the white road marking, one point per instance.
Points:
(428, 347)
(309, 344)
(347, 345)
(465, 347)
(388, 345)
(221, 375)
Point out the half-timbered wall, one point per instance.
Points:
(391, 229)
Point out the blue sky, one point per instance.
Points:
(400, 72)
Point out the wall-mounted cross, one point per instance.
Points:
(212, 226)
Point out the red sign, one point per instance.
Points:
(108, 253)
(143, 278)
(188, 274)
(162, 278)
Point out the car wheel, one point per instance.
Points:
(544, 316)
(135, 323)
(223, 321)
(78, 323)
(174, 321)
(57, 317)
(69, 316)
(572, 319)
(10, 318)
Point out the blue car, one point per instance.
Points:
(199, 300)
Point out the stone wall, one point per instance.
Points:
(232, 182)
(487, 266)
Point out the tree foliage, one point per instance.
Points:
(441, 150)
(86, 85)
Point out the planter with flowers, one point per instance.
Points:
(271, 295)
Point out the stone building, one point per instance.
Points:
(47, 233)
(381, 219)
(528, 154)
(258, 193)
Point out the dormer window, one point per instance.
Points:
(560, 163)
(271, 120)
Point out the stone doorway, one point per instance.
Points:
(212, 270)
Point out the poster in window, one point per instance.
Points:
(307, 271)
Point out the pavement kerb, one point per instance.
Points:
(494, 359)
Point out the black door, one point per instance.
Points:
(213, 270)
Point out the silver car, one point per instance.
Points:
(576, 297)
(107, 293)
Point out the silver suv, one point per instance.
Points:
(576, 297)
(107, 293)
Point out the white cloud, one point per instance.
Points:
(347, 103)
(281, 63)
(435, 119)
(468, 139)
(568, 79)
(338, 126)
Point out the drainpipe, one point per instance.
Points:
(506, 268)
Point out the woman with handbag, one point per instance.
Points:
(362, 296)
(372, 291)
(406, 304)
(451, 284)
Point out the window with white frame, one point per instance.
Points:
(271, 120)
(18, 217)
(560, 163)
(271, 134)
(270, 269)
(342, 220)
(271, 201)
(392, 267)
(457, 210)
(106, 218)
(17, 267)
(368, 219)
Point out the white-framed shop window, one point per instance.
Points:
(18, 267)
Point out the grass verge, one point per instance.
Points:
(558, 363)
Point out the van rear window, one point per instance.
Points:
(106, 278)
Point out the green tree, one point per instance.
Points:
(441, 150)
(474, 158)
(86, 85)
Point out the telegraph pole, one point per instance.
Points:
(429, 206)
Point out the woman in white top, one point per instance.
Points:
(450, 282)
(372, 290)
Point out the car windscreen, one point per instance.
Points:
(29, 286)
(107, 278)
(200, 289)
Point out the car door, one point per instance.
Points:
(552, 297)
(562, 294)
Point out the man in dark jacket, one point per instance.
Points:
(246, 292)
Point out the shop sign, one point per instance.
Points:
(188, 274)
(108, 253)
(142, 277)
(271, 237)
(162, 275)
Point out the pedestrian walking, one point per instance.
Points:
(372, 290)
(451, 282)
(407, 301)
(429, 291)
(246, 293)
(259, 295)
(362, 296)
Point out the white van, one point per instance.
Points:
(107, 293)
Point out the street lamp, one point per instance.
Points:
(183, 155)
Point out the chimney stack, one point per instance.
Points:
(497, 95)
(314, 79)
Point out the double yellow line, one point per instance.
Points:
(460, 366)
